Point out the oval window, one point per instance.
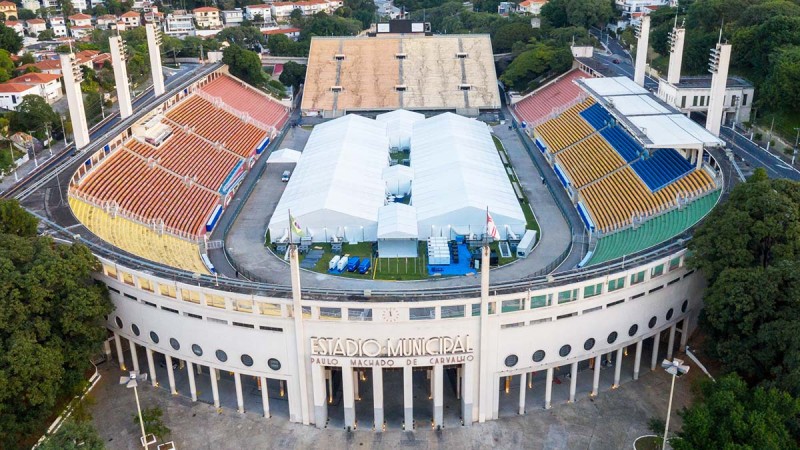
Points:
(538, 355)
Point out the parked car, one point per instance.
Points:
(616, 61)
(286, 175)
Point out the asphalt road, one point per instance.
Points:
(756, 156)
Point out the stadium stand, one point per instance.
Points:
(662, 167)
(597, 116)
(375, 82)
(322, 71)
(549, 99)
(588, 160)
(241, 97)
(616, 199)
(139, 240)
(622, 142)
(566, 129)
(654, 231)
(217, 125)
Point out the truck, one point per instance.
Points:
(526, 244)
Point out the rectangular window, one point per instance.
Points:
(567, 296)
(245, 306)
(269, 309)
(674, 263)
(637, 278)
(476, 309)
(145, 285)
(657, 271)
(566, 316)
(111, 271)
(174, 311)
(744, 99)
(265, 328)
(194, 316)
(190, 296)
(449, 312)
(614, 285)
(683, 102)
(330, 313)
(130, 296)
(688, 273)
(546, 319)
(167, 290)
(596, 308)
(306, 312)
(591, 291)
(215, 320)
(216, 301)
(359, 314)
(674, 281)
(512, 325)
(512, 305)
(538, 301)
(655, 289)
(243, 325)
(615, 303)
(426, 313)
(113, 290)
(694, 101)
(127, 278)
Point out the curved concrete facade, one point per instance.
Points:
(371, 364)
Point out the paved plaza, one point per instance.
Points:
(612, 420)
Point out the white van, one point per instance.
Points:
(285, 176)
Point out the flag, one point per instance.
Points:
(295, 225)
(491, 228)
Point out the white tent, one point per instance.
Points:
(399, 124)
(397, 231)
(337, 187)
(457, 175)
(284, 155)
(398, 179)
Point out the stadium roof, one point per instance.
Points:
(650, 120)
(397, 221)
(399, 124)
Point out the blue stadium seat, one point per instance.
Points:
(596, 116)
(663, 167)
(622, 142)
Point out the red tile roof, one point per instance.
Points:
(36, 21)
(206, 9)
(35, 78)
(14, 87)
(281, 31)
(130, 14)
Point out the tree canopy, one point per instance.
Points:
(539, 61)
(51, 322)
(74, 436)
(293, 74)
(244, 64)
(579, 13)
(34, 113)
(10, 41)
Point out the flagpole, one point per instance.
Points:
(291, 225)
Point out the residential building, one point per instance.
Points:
(131, 19)
(59, 30)
(265, 11)
(35, 26)
(531, 7)
(80, 31)
(81, 5)
(207, 17)
(142, 5)
(16, 26)
(154, 16)
(80, 20)
(693, 94)
(32, 5)
(179, 23)
(11, 94)
(506, 8)
(9, 9)
(291, 33)
(57, 20)
(107, 22)
(232, 17)
(47, 85)
(634, 9)
(50, 66)
(282, 10)
(51, 5)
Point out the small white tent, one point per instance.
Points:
(399, 124)
(397, 231)
(284, 155)
(398, 179)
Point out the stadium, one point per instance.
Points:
(201, 243)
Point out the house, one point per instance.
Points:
(32, 5)
(282, 10)
(11, 94)
(80, 20)
(142, 5)
(634, 9)
(531, 7)
(80, 5)
(9, 9)
(51, 5)
(233, 17)
(80, 31)
(207, 17)
(154, 16)
(131, 19)
(50, 66)
(47, 85)
(251, 11)
(291, 33)
(107, 22)
(179, 23)
(16, 26)
(35, 26)
(506, 8)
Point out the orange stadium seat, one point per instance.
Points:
(242, 97)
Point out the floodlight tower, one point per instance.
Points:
(643, 35)
(676, 39)
(154, 47)
(118, 53)
(72, 84)
(718, 66)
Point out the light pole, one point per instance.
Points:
(63, 130)
(673, 368)
(132, 381)
(796, 141)
(11, 151)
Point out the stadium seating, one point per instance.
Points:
(566, 129)
(217, 125)
(375, 82)
(622, 142)
(616, 199)
(597, 116)
(139, 240)
(661, 168)
(653, 231)
(189, 155)
(553, 96)
(242, 97)
(150, 192)
(589, 160)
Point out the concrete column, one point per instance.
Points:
(654, 357)
(299, 362)
(318, 384)
(467, 389)
(618, 367)
(72, 76)
(548, 388)
(237, 379)
(523, 389)
(133, 355)
(377, 397)
(671, 341)
(596, 379)
(495, 398)
(720, 60)
(120, 76)
(171, 376)
(153, 42)
(348, 395)
(265, 396)
(120, 356)
(408, 398)
(356, 380)
(641, 51)
(637, 362)
(214, 387)
(484, 380)
(676, 53)
(684, 333)
(573, 381)
(192, 385)
(151, 366)
(438, 395)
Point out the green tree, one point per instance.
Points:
(582, 13)
(47, 35)
(360, 10)
(15, 220)
(25, 14)
(730, 415)
(508, 34)
(10, 41)
(244, 64)
(74, 436)
(293, 74)
(782, 89)
(538, 62)
(153, 422)
(27, 58)
(51, 322)
(6, 66)
(33, 113)
(67, 8)
(247, 37)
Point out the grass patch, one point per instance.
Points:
(403, 268)
(495, 246)
(362, 250)
(530, 219)
(784, 124)
(307, 127)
